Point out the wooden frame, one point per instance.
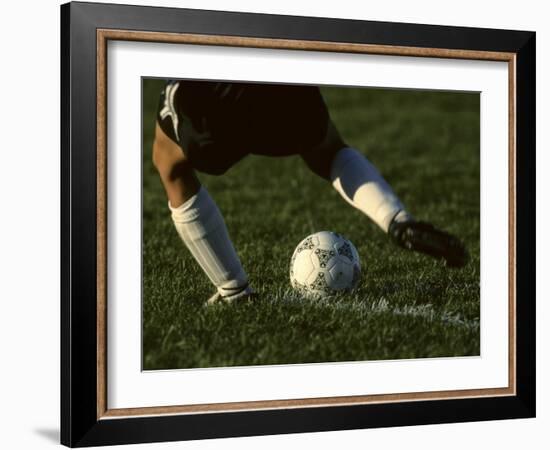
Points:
(86, 418)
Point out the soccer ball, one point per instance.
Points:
(324, 264)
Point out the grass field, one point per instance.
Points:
(407, 306)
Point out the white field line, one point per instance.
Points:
(382, 306)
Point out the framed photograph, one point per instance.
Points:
(277, 224)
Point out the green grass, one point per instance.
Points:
(407, 306)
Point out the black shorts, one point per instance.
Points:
(218, 123)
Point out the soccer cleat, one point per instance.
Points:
(242, 294)
(423, 237)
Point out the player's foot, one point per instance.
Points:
(245, 293)
(423, 237)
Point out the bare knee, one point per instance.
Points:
(176, 172)
(169, 164)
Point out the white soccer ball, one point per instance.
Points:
(324, 264)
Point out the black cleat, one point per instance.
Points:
(423, 237)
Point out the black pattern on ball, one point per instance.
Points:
(292, 265)
(345, 250)
(306, 245)
(300, 288)
(324, 256)
(320, 284)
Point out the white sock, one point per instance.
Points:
(362, 186)
(201, 227)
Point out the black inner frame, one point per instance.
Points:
(79, 424)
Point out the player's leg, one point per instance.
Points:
(355, 178)
(176, 173)
(362, 186)
(198, 220)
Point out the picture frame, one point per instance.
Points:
(86, 29)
